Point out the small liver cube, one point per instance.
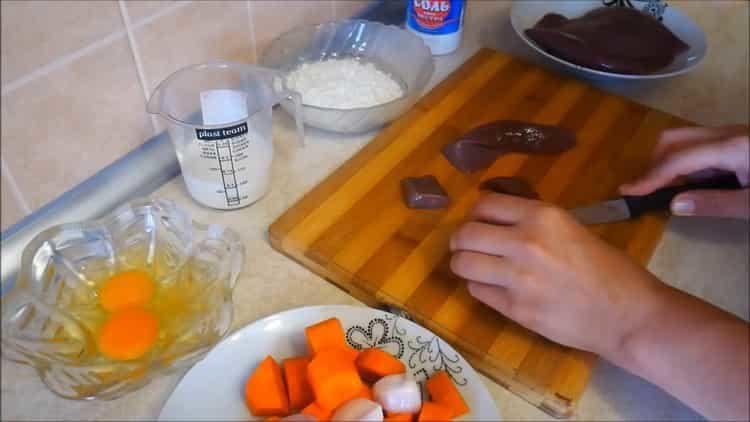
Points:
(423, 193)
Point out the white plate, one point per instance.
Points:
(525, 14)
(213, 389)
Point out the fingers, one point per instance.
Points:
(694, 133)
(713, 203)
(502, 209)
(682, 163)
(727, 141)
(495, 297)
(690, 134)
(487, 269)
(485, 238)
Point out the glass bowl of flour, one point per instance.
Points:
(353, 75)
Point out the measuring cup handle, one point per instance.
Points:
(296, 99)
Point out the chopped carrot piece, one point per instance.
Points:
(325, 335)
(433, 412)
(399, 417)
(352, 353)
(333, 377)
(443, 391)
(374, 364)
(365, 393)
(295, 375)
(272, 419)
(318, 411)
(265, 393)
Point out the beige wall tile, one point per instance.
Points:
(344, 9)
(196, 33)
(272, 18)
(140, 9)
(62, 128)
(37, 32)
(12, 211)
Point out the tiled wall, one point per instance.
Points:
(76, 76)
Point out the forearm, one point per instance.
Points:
(694, 351)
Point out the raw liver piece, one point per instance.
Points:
(480, 147)
(470, 157)
(612, 39)
(423, 193)
(518, 136)
(510, 186)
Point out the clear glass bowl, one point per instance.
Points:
(396, 51)
(50, 314)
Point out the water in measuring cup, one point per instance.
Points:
(227, 167)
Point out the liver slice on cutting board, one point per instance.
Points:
(480, 147)
(423, 193)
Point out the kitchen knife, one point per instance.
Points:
(629, 207)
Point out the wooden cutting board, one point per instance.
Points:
(354, 230)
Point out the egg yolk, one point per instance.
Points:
(128, 334)
(126, 290)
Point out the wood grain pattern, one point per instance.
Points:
(354, 230)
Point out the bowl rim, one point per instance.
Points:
(37, 241)
(157, 95)
(140, 202)
(430, 62)
(628, 76)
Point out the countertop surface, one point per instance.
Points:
(707, 258)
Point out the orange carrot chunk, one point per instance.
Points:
(319, 412)
(365, 393)
(374, 364)
(334, 378)
(295, 375)
(351, 353)
(443, 391)
(325, 335)
(398, 417)
(433, 412)
(265, 393)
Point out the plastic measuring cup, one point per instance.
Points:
(219, 119)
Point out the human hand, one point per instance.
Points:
(695, 152)
(536, 265)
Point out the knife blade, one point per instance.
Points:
(629, 207)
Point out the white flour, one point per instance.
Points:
(343, 84)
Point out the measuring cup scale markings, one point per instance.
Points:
(229, 166)
(225, 149)
(226, 140)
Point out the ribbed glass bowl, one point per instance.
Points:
(396, 51)
(49, 315)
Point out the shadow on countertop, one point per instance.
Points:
(631, 397)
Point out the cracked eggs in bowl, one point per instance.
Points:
(100, 308)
